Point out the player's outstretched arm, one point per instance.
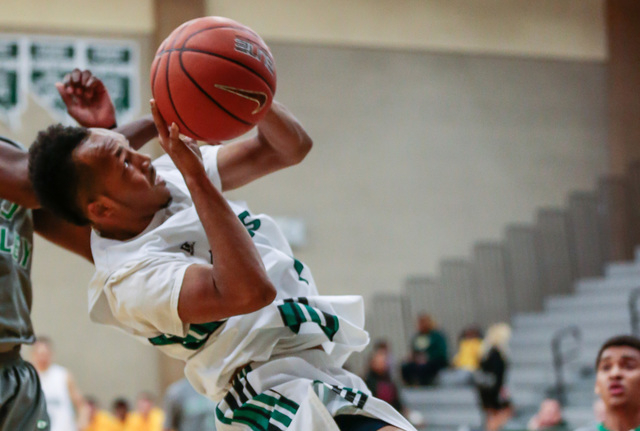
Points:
(237, 282)
(87, 99)
(281, 142)
(89, 103)
(14, 176)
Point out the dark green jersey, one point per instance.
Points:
(16, 247)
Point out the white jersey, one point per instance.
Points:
(55, 385)
(137, 285)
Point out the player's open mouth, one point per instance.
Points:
(616, 389)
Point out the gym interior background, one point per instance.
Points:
(435, 122)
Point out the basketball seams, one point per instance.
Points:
(169, 89)
(239, 28)
(203, 91)
(231, 60)
(245, 29)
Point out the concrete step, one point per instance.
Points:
(453, 416)
(525, 397)
(582, 362)
(622, 269)
(541, 336)
(578, 416)
(559, 320)
(603, 285)
(591, 302)
(439, 396)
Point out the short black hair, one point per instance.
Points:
(54, 174)
(617, 341)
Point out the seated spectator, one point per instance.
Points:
(428, 354)
(468, 356)
(97, 419)
(379, 379)
(146, 417)
(548, 418)
(467, 360)
(187, 410)
(120, 408)
(489, 379)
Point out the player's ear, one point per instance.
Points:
(100, 208)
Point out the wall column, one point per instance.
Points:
(623, 31)
(169, 14)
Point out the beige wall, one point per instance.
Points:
(572, 29)
(97, 16)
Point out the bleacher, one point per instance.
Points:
(571, 275)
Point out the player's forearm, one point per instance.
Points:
(15, 185)
(139, 132)
(284, 134)
(237, 269)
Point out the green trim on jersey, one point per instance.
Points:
(198, 334)
(296, 313)
(251, 225)
(263, 412)
(354, 396)
(601, 427)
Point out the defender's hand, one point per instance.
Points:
(184, 152)
(87, 99)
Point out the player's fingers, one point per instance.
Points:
(85, 75)
(92, 82)
(159, 121)
(76, 75)
(67, 79)
(174, 134)
(90, 87)
(64, 94)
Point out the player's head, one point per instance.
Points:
(550, 413)
(93, 176)
(42, 353)
(425, 323)
(618, 372)
(120, 409)
(144, 403)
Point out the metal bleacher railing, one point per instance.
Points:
(634, 312)
(563, 355)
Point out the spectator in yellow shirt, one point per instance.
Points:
(146, 417)
(97, 419)
(468, 356)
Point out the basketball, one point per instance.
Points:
(214, 77)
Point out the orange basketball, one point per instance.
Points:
(214, 77)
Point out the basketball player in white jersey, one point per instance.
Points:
(65, 402)
(208, 281)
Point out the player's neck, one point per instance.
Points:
(124, 229)
(622, 419)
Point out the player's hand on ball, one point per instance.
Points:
(87, 99)
(184, 151)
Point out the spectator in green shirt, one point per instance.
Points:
(428, 354)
